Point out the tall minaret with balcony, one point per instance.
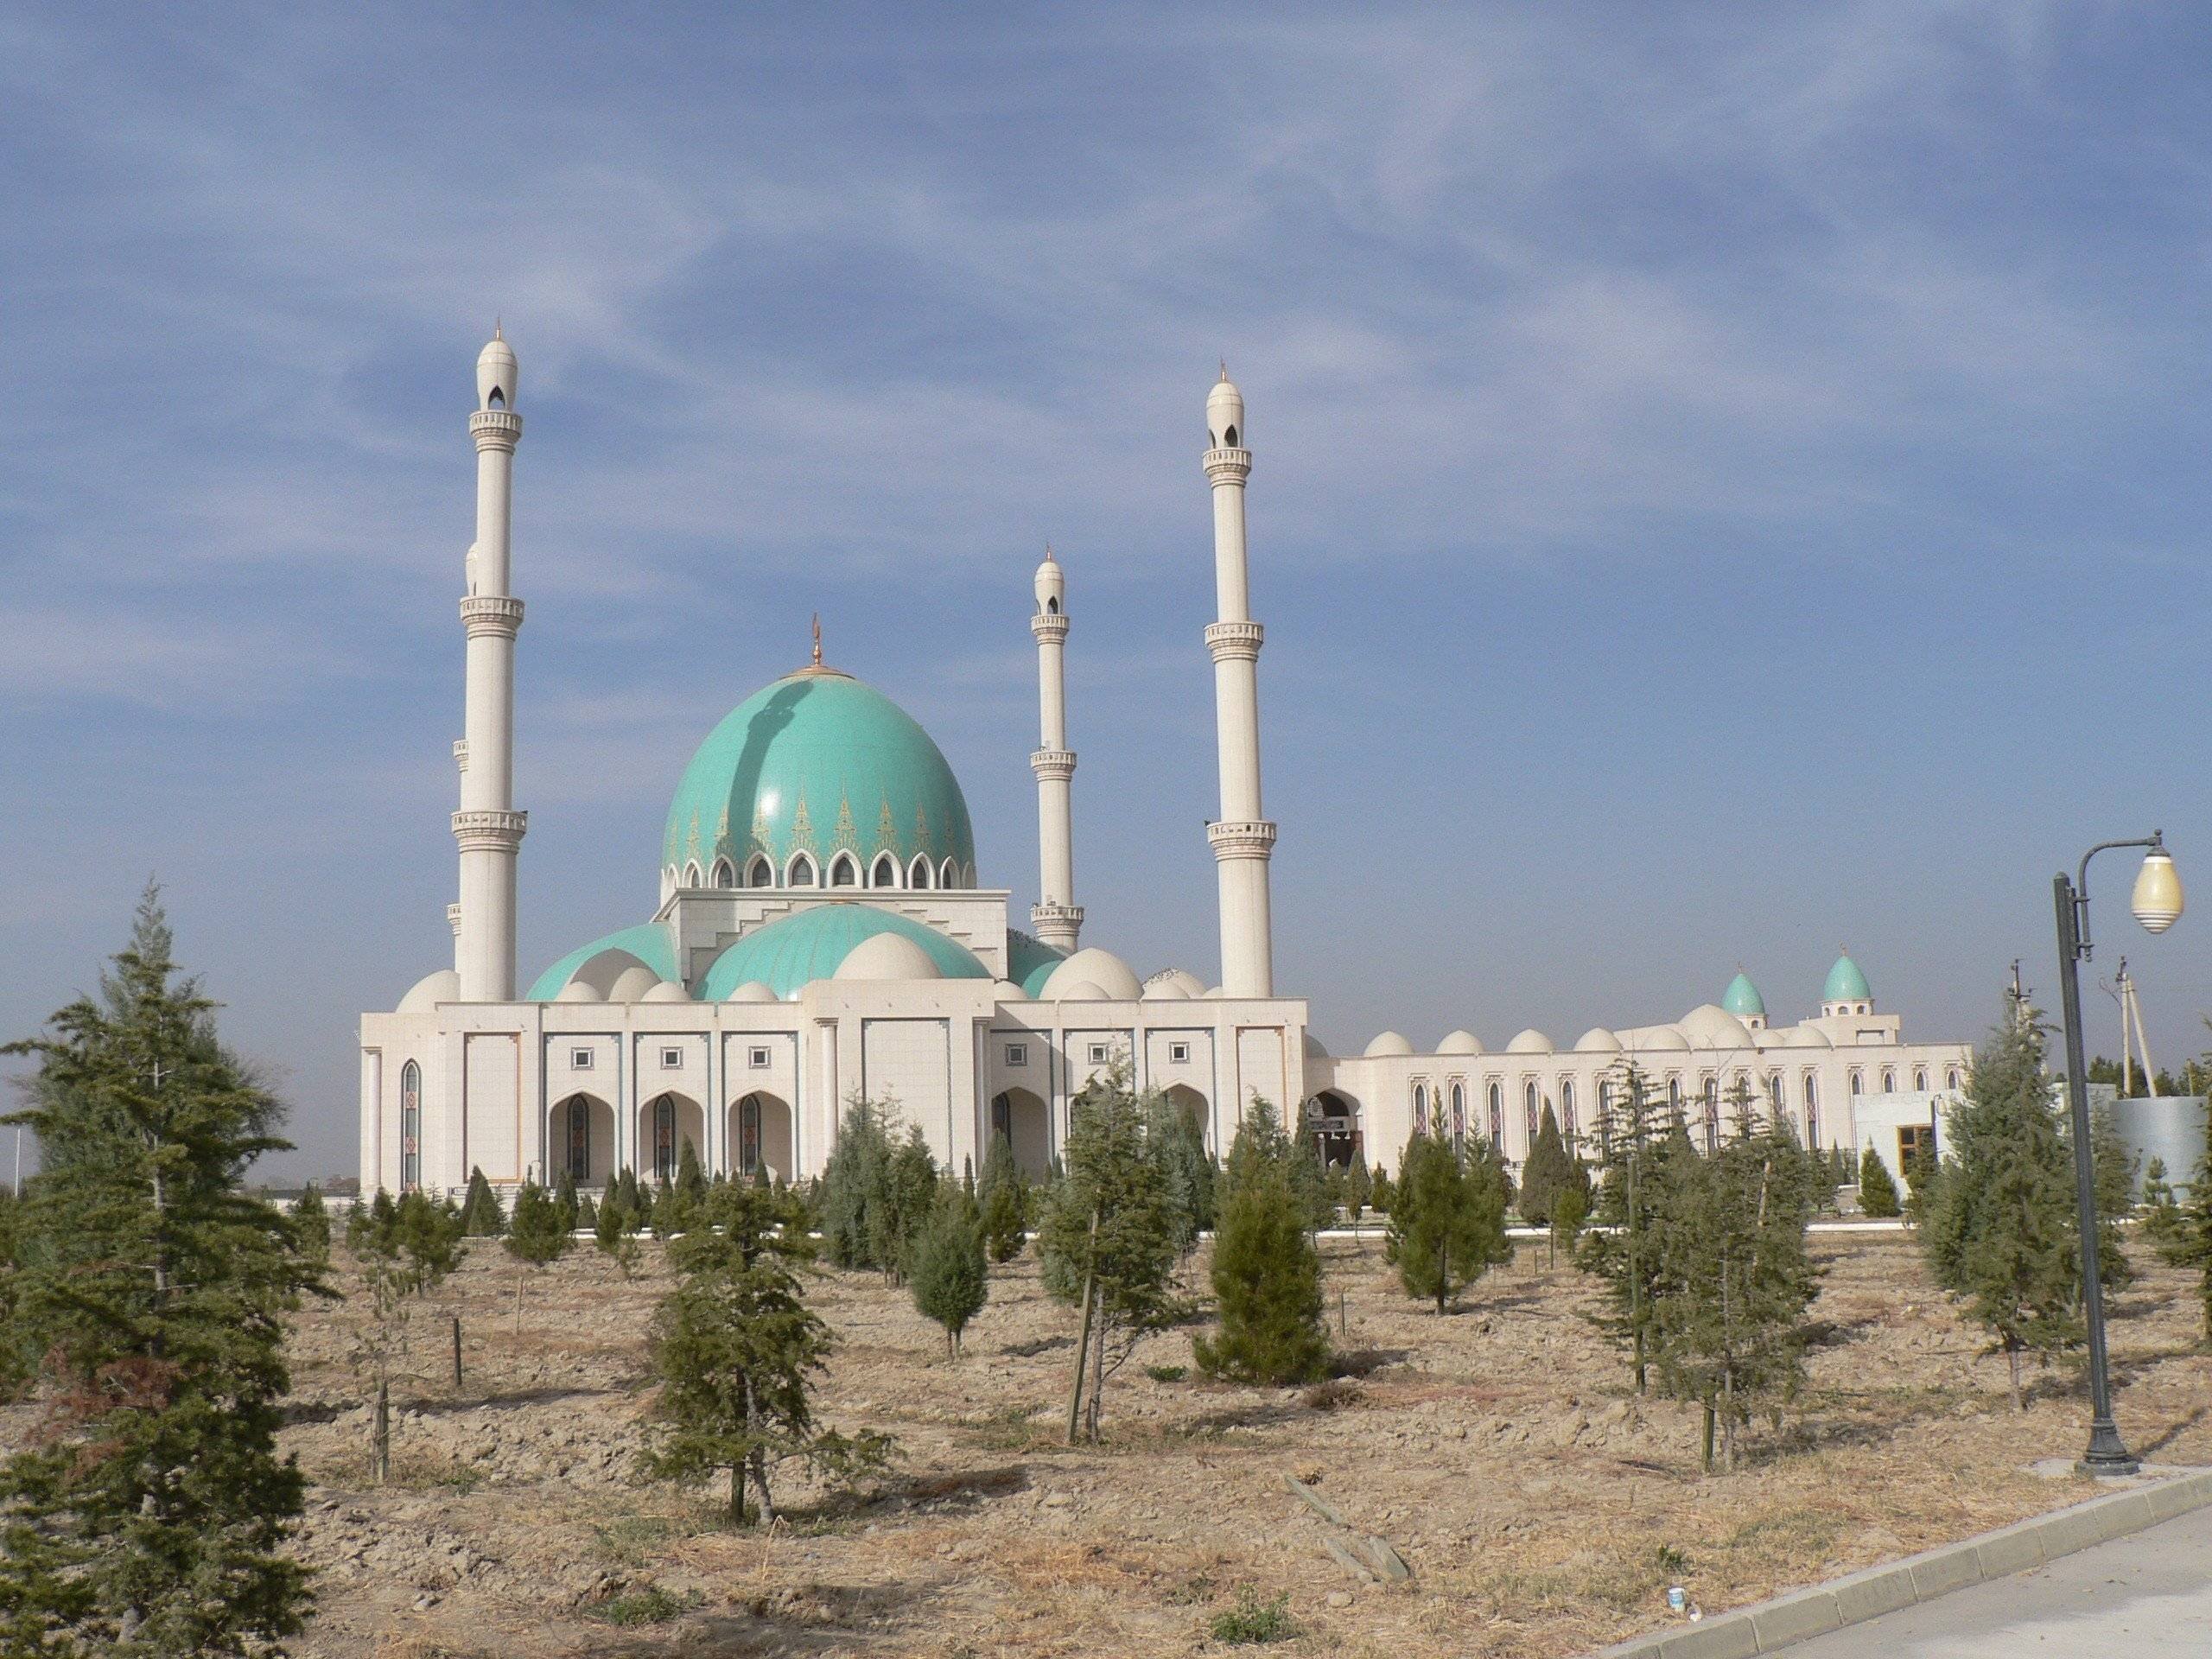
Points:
(487, 827)
(1056, 916)
(1243, 838)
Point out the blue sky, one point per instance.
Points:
(1730, 480)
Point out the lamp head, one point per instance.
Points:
(2157, 901)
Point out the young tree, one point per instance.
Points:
(2003, 1236)
(630, 1200)
(536, 1236)
(1570, 1211)
(480, 1214)
(1004, 1201)
(2186, 1240)
(1923, 1174)
(148, 1512)
(1359, 1185)
(2161, 1214)
(1878, 1193)
(1179, 1144)
(1381, 1194)
(566, 1201)
(737, 1350)
(897, 1219)
(401, 1252)
(856, 1183)
(2114, 1168)
(949, 1278)
(691, 1178)
(1640, 1147)
(1266, 1273)
(1448, 1224)
(1549, 1168)
(311, 1226)
(1107, 1242)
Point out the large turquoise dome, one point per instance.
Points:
(818, 763)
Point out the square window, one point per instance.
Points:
(671, 1056)
(758, 1059)
(1098, 1053)
(1179, 1053)
(1017, 1053)
(580, 1059)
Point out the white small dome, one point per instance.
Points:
(751, 991)
(1460, 1042)
(1710, 1026)
(887, 957)
(1389, 1043)
(428, 992)
(496, 372)
(1007, 991)
(1314, 1049)
(579, 990)
(1111, 979)
(1052, 585)
(1530, 1041)
(1172, 984)
(1082, 991)
(666, 991)
(1218, 992)
(1664, 1038)
(1596, 1040)
(631, 983)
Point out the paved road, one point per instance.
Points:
(2144, 1596)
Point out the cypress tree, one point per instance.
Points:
(537, 1236)
(568, 1204)
(1878, 1193)
(1381, 1193)
(2186, 1241)
(1266, 1271)
(737, 1350)
(690, 1179)
(148, 1511)
(1570, 1211)
(631, 1200)
(949, 1278)
(401, 1252)
(1447, 1225)
(1180, 1147)
(311, 1226)
(481, 1214)
(855, 1182)
(1548, 1169)
(1004, 1196)
(2161, 1214)
(2115, 1170)
(2003, 1236)
(1359, 1185)
(1640, 1147)
(897, 1220)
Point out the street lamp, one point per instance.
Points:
(2157, 904)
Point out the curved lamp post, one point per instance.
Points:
(2157, 904)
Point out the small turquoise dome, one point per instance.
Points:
(1743, 997)
(818, 763)
(1846, 983)
(647, 943)
(1029, 962)
(800, 949)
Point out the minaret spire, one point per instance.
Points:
(1243, 839)
(487, 827)
(1056, 916)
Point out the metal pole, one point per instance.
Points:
(2107, 1454)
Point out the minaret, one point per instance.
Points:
(487, 827)
(1243, 839)
(1057, 918)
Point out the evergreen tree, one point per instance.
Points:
(148, 1512)
(1878, 1193)
(1448, 1224)
(949, 1278)
(1266, 1273)
(1179, 1145)
(1359, 1185)
(2161, 1214)
(1309, 1181)
(2003, 1236)
(311, 1226)
(1570, 1211)
(1640, 1145)
(666, 1214)
(1735, 1279)
(401, 1252)
(2115, 1169)
(737, 1350)
(586, 1220)
(1381, 1193)
(537, 1236)
(2186, 1240)
(1106, 1241)
(567, 1203)
(690, 1179)
(856, 1183)
(1923, 1174)
(1548, 1169)
(480, 1214)
(1004, 1196)
(630, 1200)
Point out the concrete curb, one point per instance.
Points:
(1745, 1632)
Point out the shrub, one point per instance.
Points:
(1878, 1192)
(1253, 1622)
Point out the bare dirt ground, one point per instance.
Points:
(1544, 1509)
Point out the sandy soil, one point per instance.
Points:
(1543, 1509)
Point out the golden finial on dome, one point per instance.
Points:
(817, 639)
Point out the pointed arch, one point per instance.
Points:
(410, 1126)
(759, 873)
(918, 874)
(844, 871)
(725, 874)
(885, 873)
(691, 878)
(800, 872)
(947, 875)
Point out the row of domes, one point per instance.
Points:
(1707, 1027)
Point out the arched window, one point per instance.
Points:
(1951, 1077)
(1230, 438)
(691, 875)
(1051, 608)
(748, 1134)
(664, 1154)
(800, 873)
(725, 874)
(1567, 1108)
(1774, 1089)
(579, 1140)
(1529, 1108)
(885, 874)
(497, 400)
(1711, 1121)
(1420, 1108)
(410, 1126)
(1674, 1094)
(947, 875)
(1920, 1079)
(760, 873)
(1458, 1116)
(1496, 1119)
(1812, 1111)
(1858, 1081)
(918, 874)
(1889, 1080)
(844, 871)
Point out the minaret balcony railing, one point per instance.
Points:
(495, 428)
(497, 614)
(1228, 465)
(1241, 838)
(1052, 765)
(1047, 915)
(1235, 641)
(490, 831)
(1049, 625)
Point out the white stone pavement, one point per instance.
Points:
(2146, 1596)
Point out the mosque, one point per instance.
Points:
(823, 934)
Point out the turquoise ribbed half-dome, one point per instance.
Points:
(818, 763)
(648, 942)
(800, 949)
(1846, 983)
(1029, 962)
(1743, 997)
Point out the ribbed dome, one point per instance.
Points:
(1846, 983)
(818, 763)
(1743, 997)
(813, 944)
